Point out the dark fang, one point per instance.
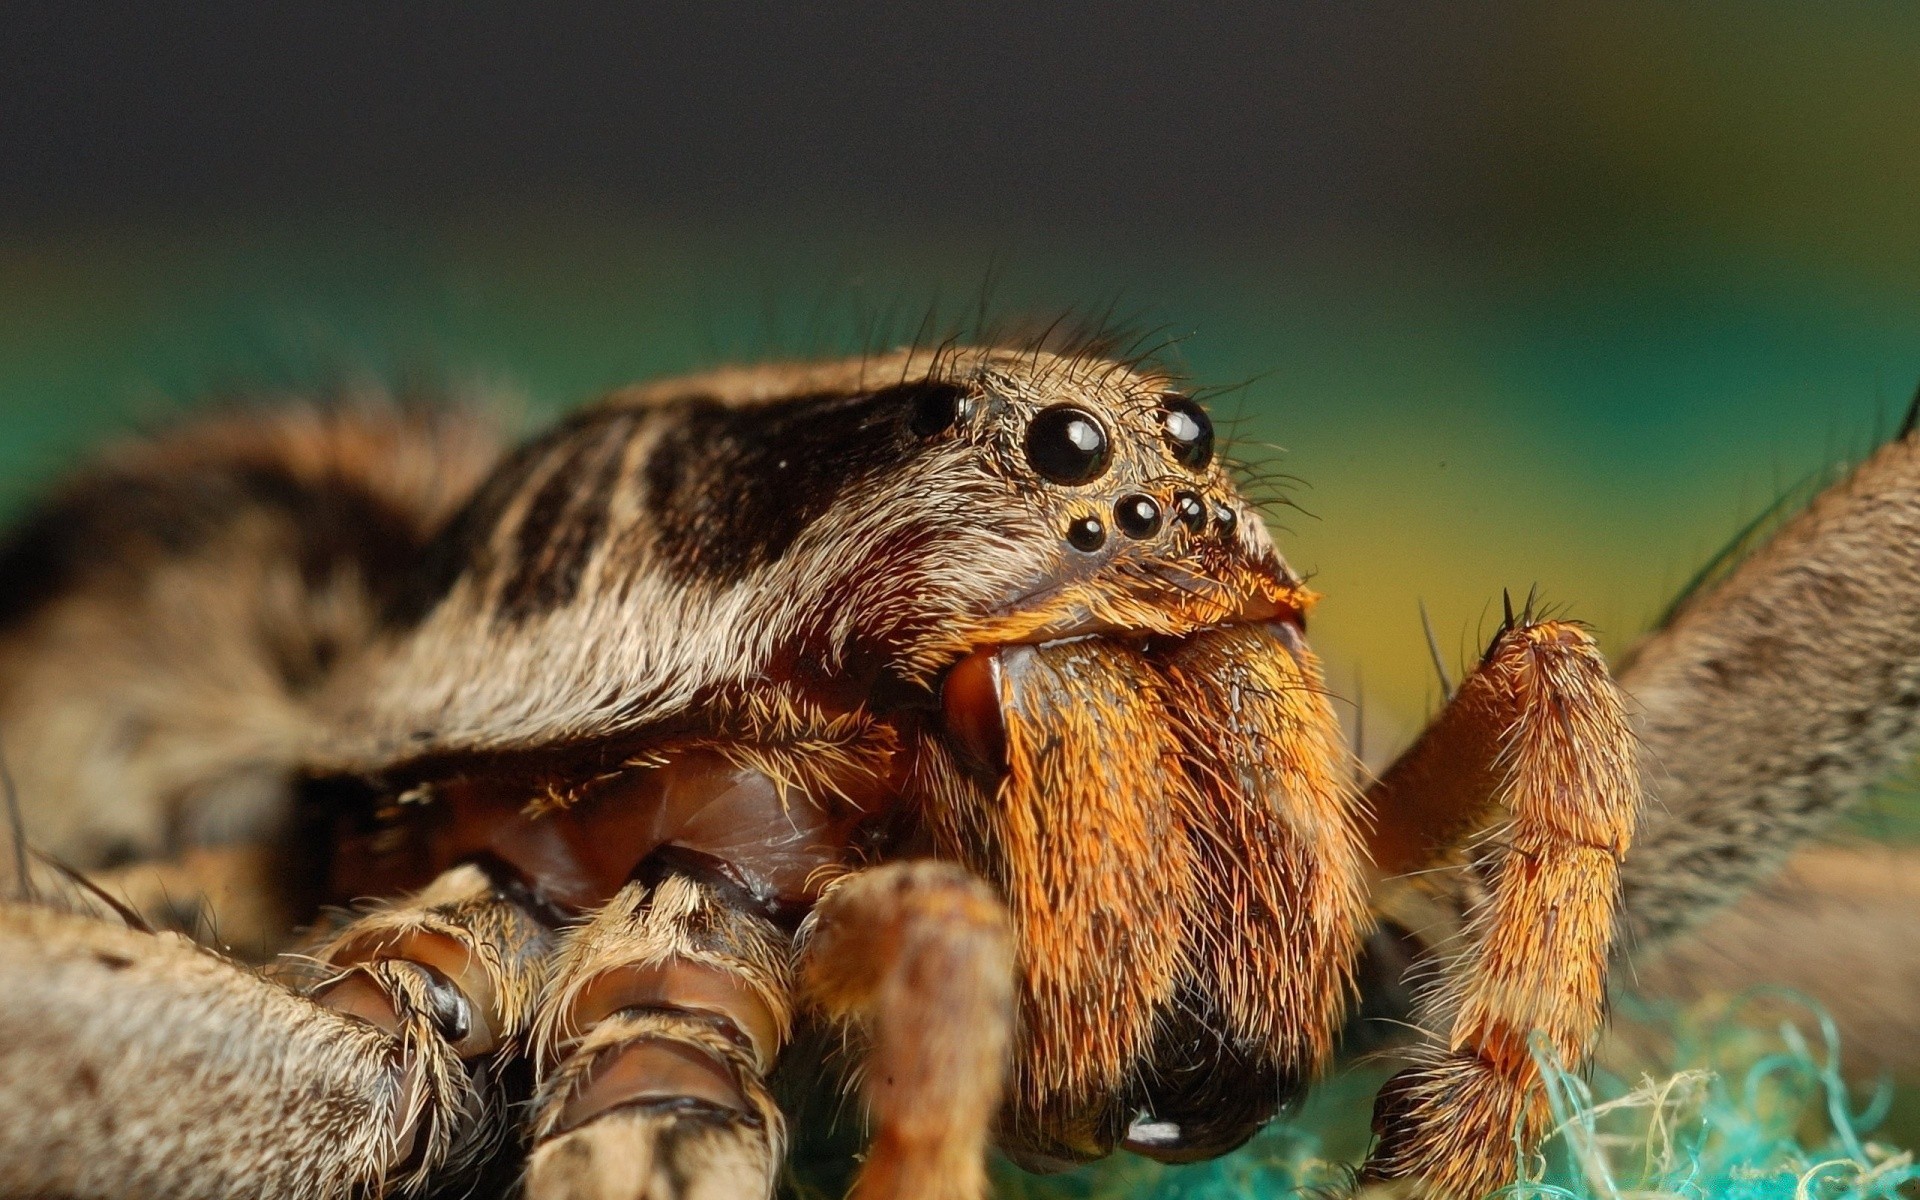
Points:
(1068, 445)
(451, 1013)
(1189, 432)
(970, 698)
(1087, 534)
(1137, 515)
(1188, 510)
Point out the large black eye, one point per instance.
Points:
(1067, 445)
(1189, 432)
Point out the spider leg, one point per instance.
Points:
(661, 1018)
(1836, 925)
(235, 898)
(1770, 700)
(1535, 754)
(452, 971)
(140, 1064)
(920, 955)
(235, 1084)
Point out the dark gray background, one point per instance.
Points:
(1128, 115)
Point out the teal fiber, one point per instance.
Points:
(1737, 1120)
(1749, 1107)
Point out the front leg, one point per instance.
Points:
(451, 972)
(662, 1016)
(1526, 784)
(920, 956)
(135, 1064)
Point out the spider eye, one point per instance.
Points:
(1188, 510)
(1138, 515)
(1189, 432)
(1068, 445)
(1087, 534)
(936, 409)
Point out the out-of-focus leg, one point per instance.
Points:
(1836, 925)
(1776, 695)
(235, 898)
(919, 956)
(661, 1018)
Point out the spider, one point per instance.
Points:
(949, 706)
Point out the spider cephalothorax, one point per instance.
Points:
(957, 700)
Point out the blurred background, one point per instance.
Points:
(1551, 295)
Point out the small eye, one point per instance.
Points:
(936, 409)
(1189, 432)
(1138, 515)
(1188, 510)
(1067, 445)
(1087, 534)
(1225, 518)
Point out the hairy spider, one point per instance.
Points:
(954, 703)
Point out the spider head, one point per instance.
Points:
(1038, 496)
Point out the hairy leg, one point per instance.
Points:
(1774, 697)
(1533, 755)
(660, 1020)
(452, 971)
(919, 955)
(134, 1064)
(139, 1064)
